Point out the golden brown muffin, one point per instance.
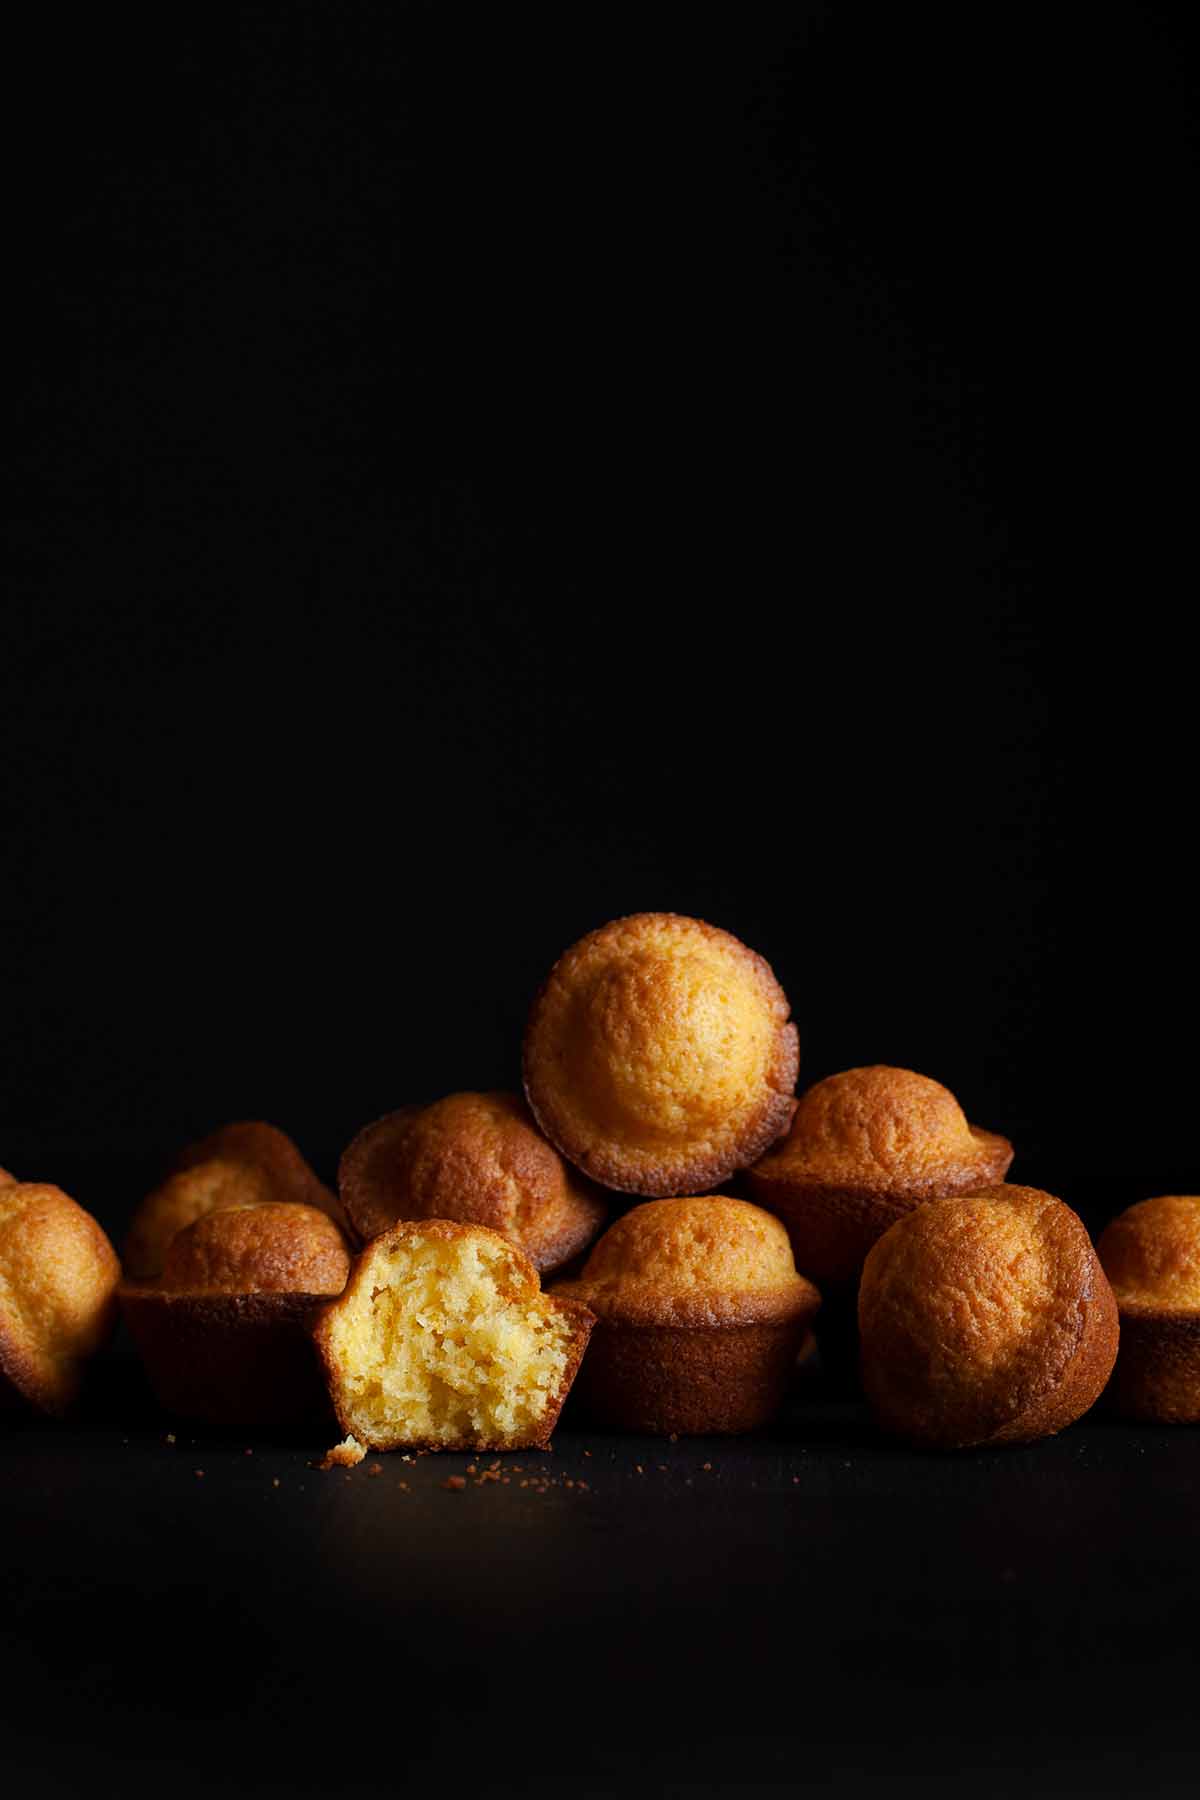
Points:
(6, 1179)
(224, 1334)
(443, 1340)
(478, 1158)
(239, 1165)
(985, 1319)
(267, 1148)
(866, 1147)
(58, 1285)
(1151, 1255)
(658, 1055)
(701, 1313)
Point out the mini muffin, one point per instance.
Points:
(443, 1340)
(866, 1147)
(701, 1313)
(1151, 1255)
(239, 1165)
(224, 1334)
(58, 1285)
(478, 1158)
(659, 1057)
(985, 1319)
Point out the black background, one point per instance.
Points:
(483, 472)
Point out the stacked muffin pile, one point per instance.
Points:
(659, 1065)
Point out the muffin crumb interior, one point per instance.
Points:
(434, 1350)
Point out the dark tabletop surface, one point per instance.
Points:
(811, 1606)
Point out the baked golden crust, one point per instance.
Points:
(58, 1282)
(265, 1147)
(274, 1248)
(224, 1334)
(179, 1201)
(477, 1158)
(866, 1147)
(513, 1279)
(1151, 1254)
(244, 1164)
(658, 1055)
(700, 1260)
(985, 1319)
(701, 1317)
(6, 1179)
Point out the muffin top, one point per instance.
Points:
(478, 1158)
(885, 1128)
(240, 1165)
(5, 1178)
(971, 1310)
(274, 1248)
(58, 1280)
(180, 1201)
(658, 1055)
(1151, 1254)
(705, 1260)
(261, 1146)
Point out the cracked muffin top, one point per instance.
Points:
(1151, 1254)
(702, 1260)
(478, 1158)
(659, 1056)
(274, 1248)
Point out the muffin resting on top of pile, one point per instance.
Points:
(224, 1332)
(985, 1319)
(58, 1285)
(659, 1056)
(244, 1164)
(701, 1315)
(866, 1147)
(1151, 1254)
(478, 1158)
(444, 1340)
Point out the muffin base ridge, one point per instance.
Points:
(229, 1359)
(693, 1381)
(1157, 1377)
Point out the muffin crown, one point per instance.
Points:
(704, 1259)
(265, 1148)
(182, 1199)
(244, 1164)
(478, 1158)
(877, 1120)
(276, 1247)
(659, 1054)
(1151, 1252)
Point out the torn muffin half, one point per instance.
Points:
(443, 1340)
